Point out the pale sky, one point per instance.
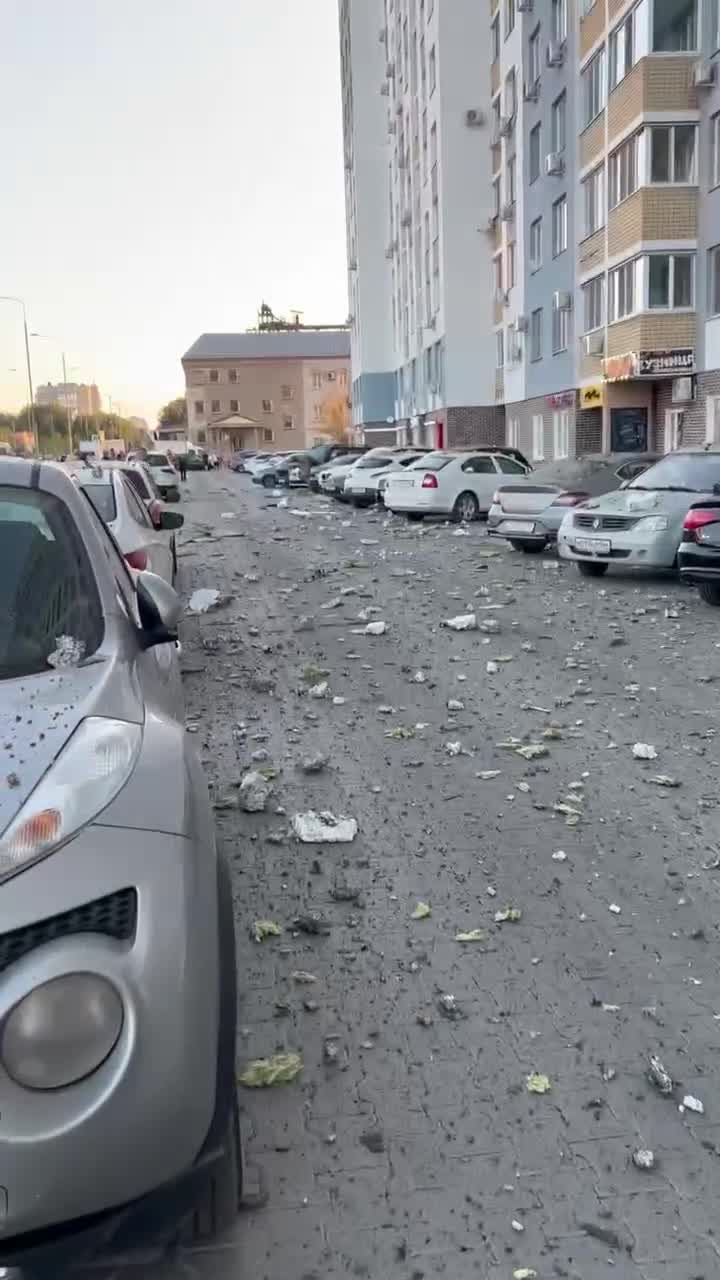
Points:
(165, 165)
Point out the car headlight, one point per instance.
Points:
(61, 1032)
(89, 772)
(653, 524)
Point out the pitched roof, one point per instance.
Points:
(285, 345)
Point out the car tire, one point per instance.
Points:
(592, 568)
(466, 508)
(269, 482)
(709, 592)
(415, 515)
(530, 548)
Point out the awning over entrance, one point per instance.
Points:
(235, 432)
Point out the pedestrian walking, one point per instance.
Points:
(182, 463)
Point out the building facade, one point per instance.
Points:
(280, 391)
(82, 400)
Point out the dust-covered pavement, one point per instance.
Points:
(412, 1146)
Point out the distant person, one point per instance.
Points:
(182, 464)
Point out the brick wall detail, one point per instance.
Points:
(475, 424)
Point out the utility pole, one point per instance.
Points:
(67, 407)
(31, 404)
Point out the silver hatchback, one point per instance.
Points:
(117, 944)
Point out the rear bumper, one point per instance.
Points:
(697, 563)
(540, 533)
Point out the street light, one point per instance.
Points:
(31, 407)
(44, 337)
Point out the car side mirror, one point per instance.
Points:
(160, 608)
(171, 520)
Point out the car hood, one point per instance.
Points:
(641, 502)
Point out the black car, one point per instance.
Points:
(699, 551)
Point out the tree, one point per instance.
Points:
(174, 413)
(335, 418)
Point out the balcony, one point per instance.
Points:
(653, 213)
(652, 331)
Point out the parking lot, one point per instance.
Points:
(411, 1144)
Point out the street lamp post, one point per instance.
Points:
(31, 404)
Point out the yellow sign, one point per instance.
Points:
(592, 396)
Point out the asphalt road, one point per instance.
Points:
(411, 1146)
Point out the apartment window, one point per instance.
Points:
(672, 153)
(432, 70)
(670, 280)
(498, 268)
(317, 381)
(268, 435)
(535, 153)
(511, 265)
(561, 434)
(495, 38)
(674, 26)
(558, 123)
(534, 57)
(714, 283)
(594, 195)
(593, 82)
(538, 437)
(715, 149)
(594, 301)
(622, 291)
(510, 345)
(560, 329)
(509, 12)
(267, 406)
(215, 406)
(559, 226)
(623, 171)
(232, 375)
(317, 412)
(199, 408)
(536, 334)
(286, 392)
(499, 349)
(288, 423)
(342, 378)
(513, 432)
(234, 406)
(510, 93)
(559, 20)
(510, 180)
(214, 375)
(496, 197)
(536, 244)
(623, 48)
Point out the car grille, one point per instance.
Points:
(114, 916)
(605, 522)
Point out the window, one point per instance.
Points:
(536, 244)
(140, 483)
(342, 378)
(561, 434)
(560, 329)
(510, 345)
(510, 93)
(317, 412)
(481, 466)
(509, 11)
(535, 153)
(432, 70)
(499, 349)
(670, 280)
(558, 123)
(215, 406)
(199, 408)
(234, 406)
(510, 180)
(138, 510)
(511, 265)
(672, 153)
(268, 435)
(495, 38)
(536, 334)
(267, 404)
(594, 300)
(496, 197)
(559, 226)
(538, 437)
(102, 497)
(317, 380)
(331, 376)
(622, 48)
(508, 466)
(286, 392)
(559, 20)
(715, 150)
(232, 375)
(593, 83)
(674, 26)
(594, 193)
(513, 436)
(623, 169)
(288, 423)
(622, 291)
(534, 57)
(214, 375)
(498, 268)
(714, 282)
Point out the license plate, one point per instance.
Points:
(400, 483)
(518, 526)
(595, 546)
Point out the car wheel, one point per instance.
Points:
(415, 515)
(357, 503)
(709, 592)
(466, 508)
(530, 548)
(268, 482)
(592, 568)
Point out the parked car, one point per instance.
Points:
(308, 470)
(195, 460)
(331, 478)
(447, 482)
(371, 460)
(146, 540)
(699, 551)
(279, 468)
(165, 475)
(641, 525)
(346, 459)
(259, 460)
(240, 458)
(265, 473)
(362, 485)
(529, 513)
(117, 949)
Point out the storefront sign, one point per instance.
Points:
(653, 364)
(592, 396)
(620, 368)
(561, 400)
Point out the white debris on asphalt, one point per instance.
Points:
(463, 622)
(454, 704)
(203, 599)
(323, 828)
(644, 751)
(644, 1159)
(453, 748)
(319, 690)
(559, 856)
(376, 629)
(68, 652)
(692, 1104)
(254, 792)
(615, 908)
(492, 668)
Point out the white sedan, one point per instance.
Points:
(459, 483)
(363, 484)
(146, 541)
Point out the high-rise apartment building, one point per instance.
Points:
(416, 93)
(82, 400)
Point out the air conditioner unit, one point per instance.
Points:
(554, 164)
(703, 74)
(521, 324)
(406, 219)
(490, 222)
(507, 124)
(352, 264)
(507, 212)
(502, 297)
(555, 53)
(531, 92)
(524, 6)
(594, 343)
(385, 90)
(514, 353)
(474, 118)
(562, 302)
(390, 70)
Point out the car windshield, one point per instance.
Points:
(373, 462)
(47, 589)
(433, 462)
(156, 460)
(687, 472)
(102, 497)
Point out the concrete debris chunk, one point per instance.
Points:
(255, 792)
(422, 911)
(68, 652)
(538, 1083)
(644, 1159)
(524, 1273)
(263, 929)
(315, 764)
(264, 1073)
(689, 1103)
(658, 1075)
(205, 599)
(400, 732)
(324, 828)
(454, 704)
(644, 751)
(663, 780)
(533, 751)
(489, 626)
(449, 1008)
(463, 622)
(303, 978)
(492, 668)
(312, 923)
(453, 748)
(486, 775)
(510, 915)
(319, 690)
(376, 629)
(471, 935)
